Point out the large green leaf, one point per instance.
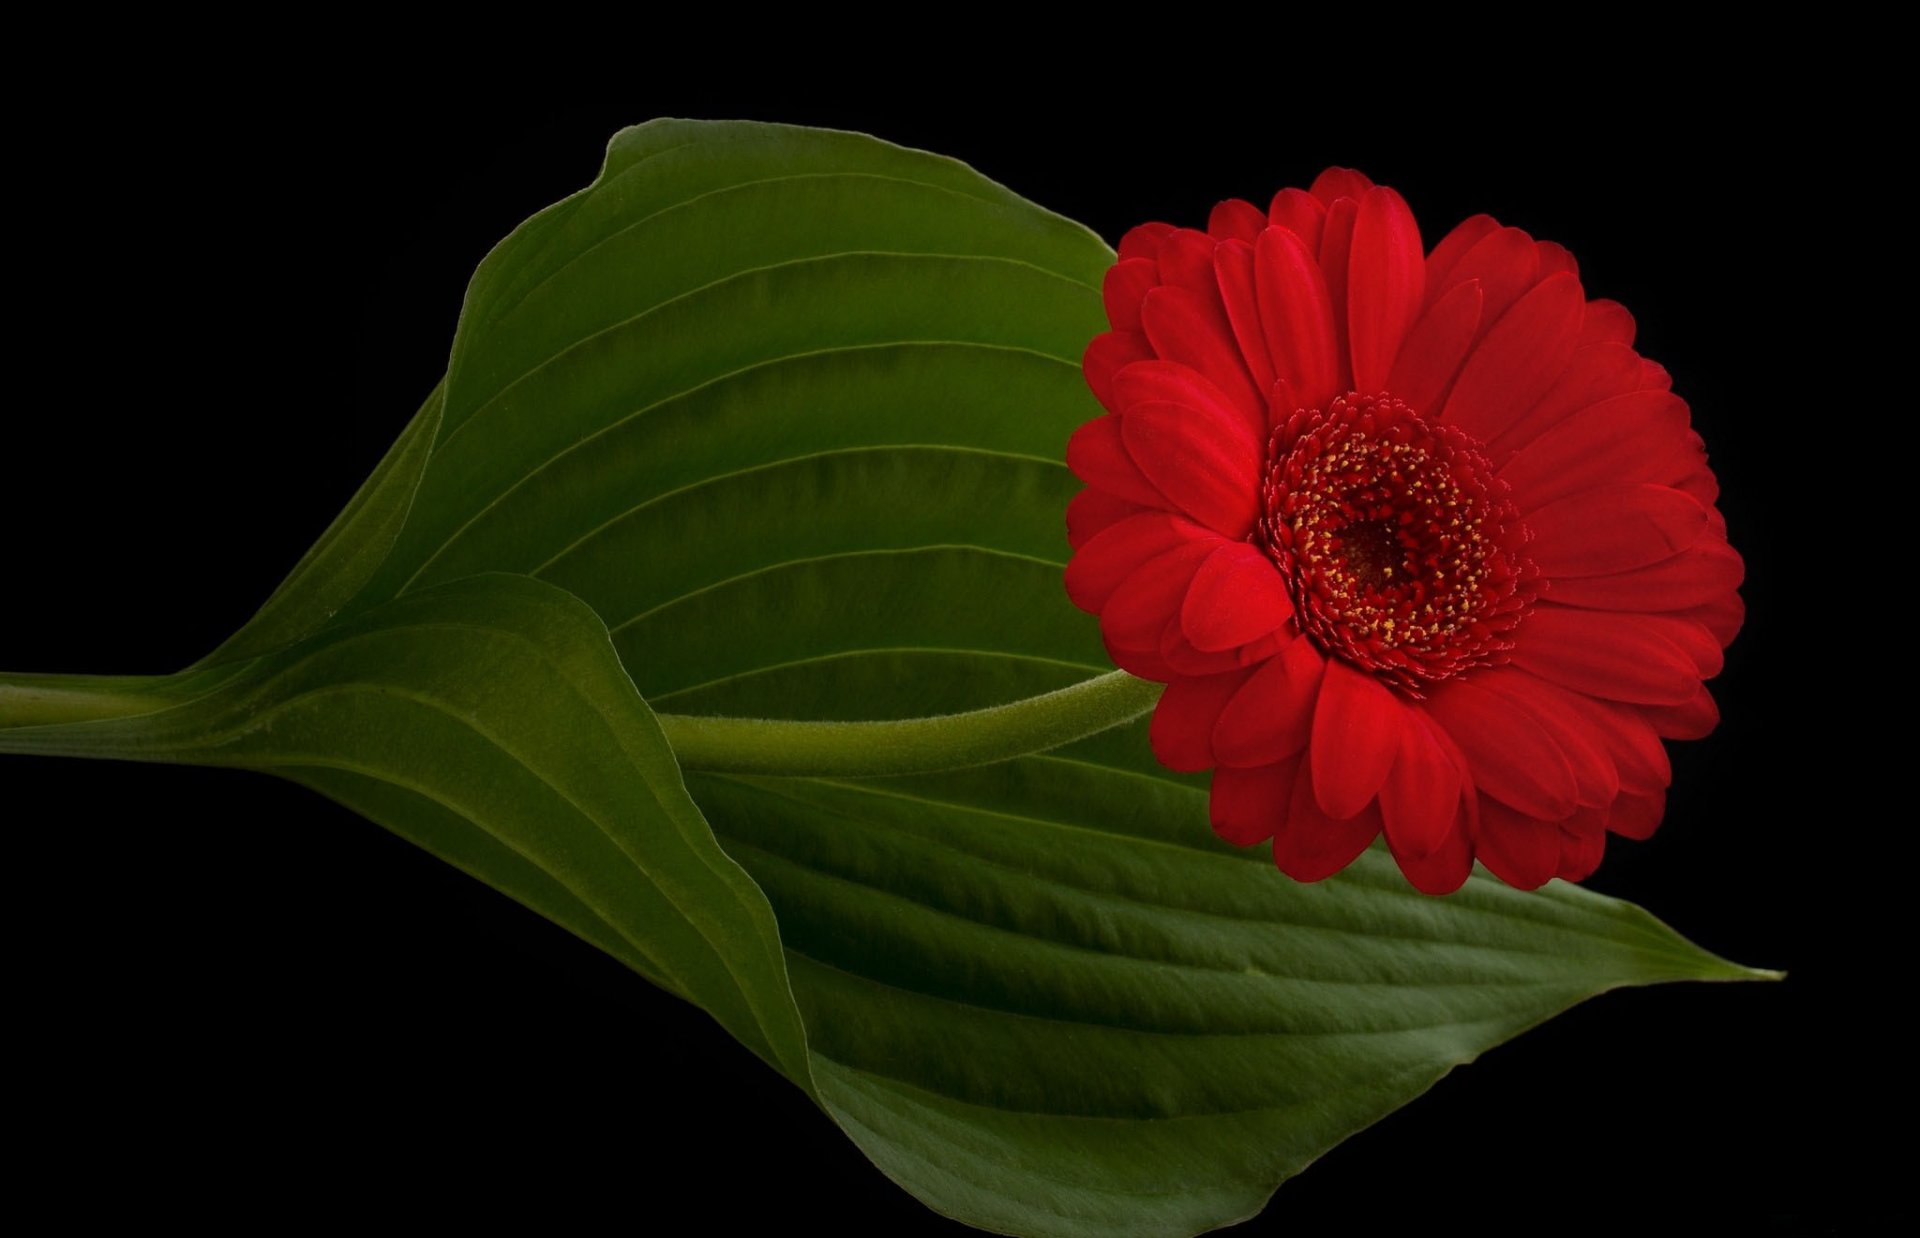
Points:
(489, 721)
(785, 410)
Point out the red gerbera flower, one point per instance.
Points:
(1417, 541)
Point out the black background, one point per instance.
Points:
(229, 313)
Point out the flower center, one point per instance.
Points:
(1399, 544)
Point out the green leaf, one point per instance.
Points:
(490, 722)
(1046, 1001)
(784, 410)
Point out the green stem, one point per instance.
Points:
(52, 700)
(910, 746)
(103, 716)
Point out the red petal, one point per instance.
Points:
(1233, 267)
(1638, 759)
(1182, 327)
(1143, 240)
(1145, 663)
(1246, 805)
(1183, 721)
(1637, 816)
(1693, 720)
(1336, 247)
(1120, 551)
(1272, 714)
(1186, 662)
(1452, 248)
(1356, 734)
(1297, 316)
(1509, 754)
(1126, 285)
(1583, 841)
(1091, 512)
(1555, 259)
(1205, 462)
(1567, 718)
(1142, 605)
(1310, 845)
(1237, 597)
(1638, 437)
(1386, 277)
(1693, 476)
(1693, 578)
(1518, 360)
(1707, 654)
(1638, 755)
(1505, 261)
(1614, 657)
(1300, 213)
(1106, 355)
(1613, 529)
(1186, 261)
(1722, 617)
(1519, 849)
(1155, 381)
(1259, 651)
(1236, 220)
(1447, 868)
(1420, 800)
(1607, 321)
(1178, 652)
(1596, 372)
(1434, 349)
(1098, 457)
(1689, 471)
(1282, 401)
(1336, 183)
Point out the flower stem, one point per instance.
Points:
(108, 716)
(912, 745)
